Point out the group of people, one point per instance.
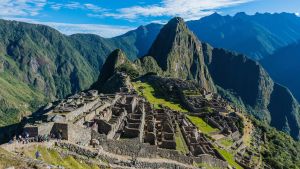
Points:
(25, 138)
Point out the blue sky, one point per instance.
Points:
(109, 18)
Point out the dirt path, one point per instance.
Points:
(248, 129)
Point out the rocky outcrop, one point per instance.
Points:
(180, 54)
(113, 75)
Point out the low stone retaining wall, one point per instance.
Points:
(134, 148)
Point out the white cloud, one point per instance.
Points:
(76, 5)
(21, 7)
(106, 31)
(188, 9)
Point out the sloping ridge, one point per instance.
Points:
(248, 80)
(180, 54)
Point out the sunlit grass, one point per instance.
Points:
(202, 125)
(8, 160)
(51, 156)
(229, 157)
(148, 92)
(180, 142)
(226, 142)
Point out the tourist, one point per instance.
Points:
(37, 154)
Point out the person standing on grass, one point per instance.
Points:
(38, 154)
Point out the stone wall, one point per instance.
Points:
(40, 129)
(70, 116)
(60, 128)
(134, 148)
(78, 134)
(211, 161)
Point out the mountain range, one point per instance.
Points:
(38, 63)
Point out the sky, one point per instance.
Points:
(109, 18)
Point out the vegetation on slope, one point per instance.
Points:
(229, 158)
(51, 156)
(202, 125)
(279, 150)
(17, 99)
(259, 35)
(180, 142)
(146, 90)
(8, 160)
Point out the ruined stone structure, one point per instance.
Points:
(124, 120)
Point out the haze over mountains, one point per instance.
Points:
(48, 63)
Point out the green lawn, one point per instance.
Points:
(226, 142)
(180, 142)
(148, 92)
(229, 158)
(202, 125)
(51, 156)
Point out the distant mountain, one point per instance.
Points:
(256, 35)
(38, 61)
(284, 67)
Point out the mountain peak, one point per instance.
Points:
(179, 53)
(115, 59)
(177, 23)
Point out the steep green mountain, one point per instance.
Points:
(283, 67)
(263, 98)
(258, 35)
(179, 54)
(109, 79)
(38, 63)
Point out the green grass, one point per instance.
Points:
(226, 142)
(229, 158)
(7, 160)
(148, 92)
(51, 156)
(180, 142)
(201, 124)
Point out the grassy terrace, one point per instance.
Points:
(229, 158)
(202, 125)
(226, 142)
(148, 92)
(180, 142)
(51, 156)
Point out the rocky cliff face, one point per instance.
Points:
(249, 81)
(180, 54)
(111, 77)
(284, 68)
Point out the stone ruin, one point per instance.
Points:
(87, 116)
